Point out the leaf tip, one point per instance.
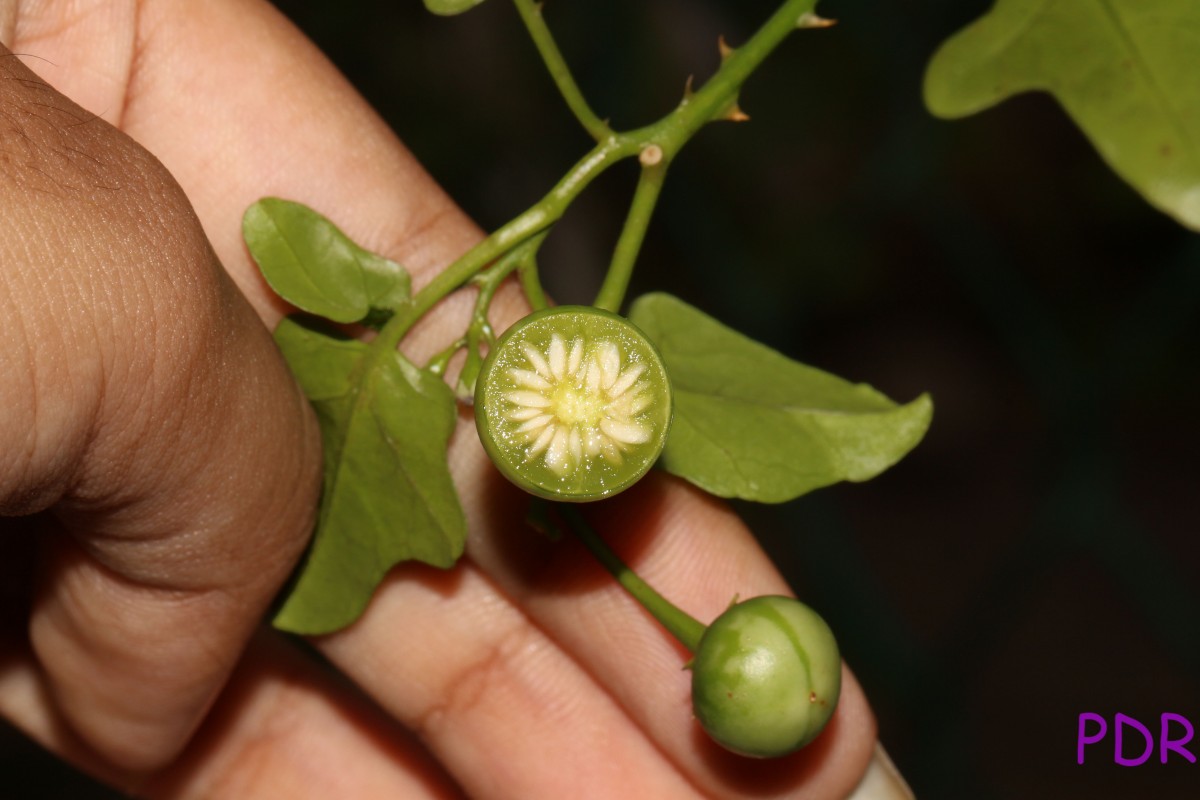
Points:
(936, 91)
(302, 618)
(448, 8)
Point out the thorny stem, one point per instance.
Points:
(713, 101)
(716, 99)
(684, 627)
(531, 15)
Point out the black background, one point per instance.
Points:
(1034, 558)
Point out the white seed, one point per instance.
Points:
(536, 424)
(619, 407)
(558, 357)
(523, 413)
(609, 359)
(625, 432)
(528, 399)
(529, 379)
(542, 442)
(631, 403)
(637, 403)
(575, 357)
(591, 377)
(556, 454)
(627, 379)
(575, 446)
(537, 360)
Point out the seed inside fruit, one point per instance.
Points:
(573, 403)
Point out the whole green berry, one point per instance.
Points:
(766, 677)
(573, 403)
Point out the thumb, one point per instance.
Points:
(150, 426)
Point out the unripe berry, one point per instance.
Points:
(573, 403)
(766, 677)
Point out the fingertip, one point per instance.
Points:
(882, 780)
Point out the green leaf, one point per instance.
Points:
(1125, 70)
(388, 496)
(753, 424)
(316, 267)
(450, 7)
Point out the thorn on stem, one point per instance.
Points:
(735, 114)
(811, 20)
(723, 47)
(687, 88)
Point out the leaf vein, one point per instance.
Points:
(1169, 110)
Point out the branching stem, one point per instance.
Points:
(531, 15)
(629, 244)
(713, 101)
(532, 285)
(480, 332)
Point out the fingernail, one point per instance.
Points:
(882, 781)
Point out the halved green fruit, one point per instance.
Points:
(573, 403)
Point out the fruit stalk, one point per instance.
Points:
(684, 627)
(766, 674)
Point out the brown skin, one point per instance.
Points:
(161, 469)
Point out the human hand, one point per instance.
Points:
(179, 478)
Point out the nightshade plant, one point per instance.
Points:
(573, 404)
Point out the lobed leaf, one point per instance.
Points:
(388, 496)
(310, 263)
(753, 424)
(450, 7)
(1125, 70)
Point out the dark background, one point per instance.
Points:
(1034, 558)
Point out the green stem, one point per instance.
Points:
(665, 138)
(531, 15)
(670, 133)
(518, 258)
(438, 363)
(534, 220)
(714, 99)
(641, 208)
(480, 330)
(532, 285)
(684, 627)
